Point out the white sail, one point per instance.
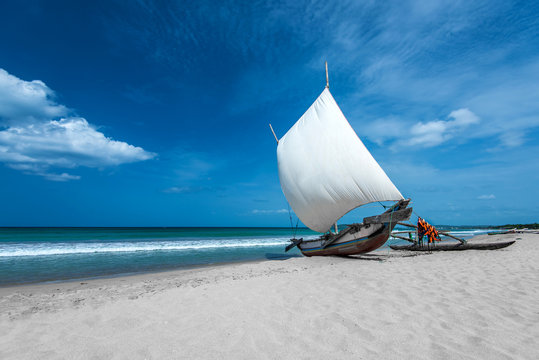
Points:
(324, 168)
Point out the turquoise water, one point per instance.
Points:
(30, 255)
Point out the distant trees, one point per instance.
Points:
(518, 226)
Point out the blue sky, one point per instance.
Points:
(146, 113)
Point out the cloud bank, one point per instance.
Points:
(39, 134)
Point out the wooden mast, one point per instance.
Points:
(327, 76)
(276, 139)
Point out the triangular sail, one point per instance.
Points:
(324, 168)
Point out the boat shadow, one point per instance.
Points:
(368, 257)
(375, 257)
(273, 256)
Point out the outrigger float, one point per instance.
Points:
(424, 229)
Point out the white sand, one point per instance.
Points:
(445, 305)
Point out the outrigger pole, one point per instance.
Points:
(402, 238)
(440, 232)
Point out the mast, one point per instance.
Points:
(327, 76)
(327, 87)
(276, 139)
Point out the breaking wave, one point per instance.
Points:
(67, 248)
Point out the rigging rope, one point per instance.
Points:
(290, 216)
(385, 207)
(390, 228)
(294, 230)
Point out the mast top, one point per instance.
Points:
(327, 77)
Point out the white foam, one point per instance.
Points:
(65, 248)
(469, 232)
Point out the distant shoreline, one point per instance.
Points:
(518, 226)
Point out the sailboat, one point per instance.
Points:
(325, 172)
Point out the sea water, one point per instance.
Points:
(30, 255)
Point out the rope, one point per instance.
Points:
(294, 229)
(390, 229)
(290, 216)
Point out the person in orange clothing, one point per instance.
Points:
(424, 228)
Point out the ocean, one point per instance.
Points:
(34, 255)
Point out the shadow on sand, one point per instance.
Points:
(369, 257)
(271, 256)
(376, 257)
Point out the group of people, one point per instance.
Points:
(426, 229)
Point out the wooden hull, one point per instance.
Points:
(453, 247)
(363, 242)
(357, 238)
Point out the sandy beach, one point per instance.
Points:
(389, 305)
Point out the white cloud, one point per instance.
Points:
(436, 132)
(512, 138)
(463, 118)
(179, 190)
(264, 212)
(423, 134)
(68, 143)
(384, 129)
(428, 134)
(42, 170)
(22, 99)
(36, 140)
(486, 197)
(191, 189)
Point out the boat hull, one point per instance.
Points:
(350, 244)
(356, 238)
